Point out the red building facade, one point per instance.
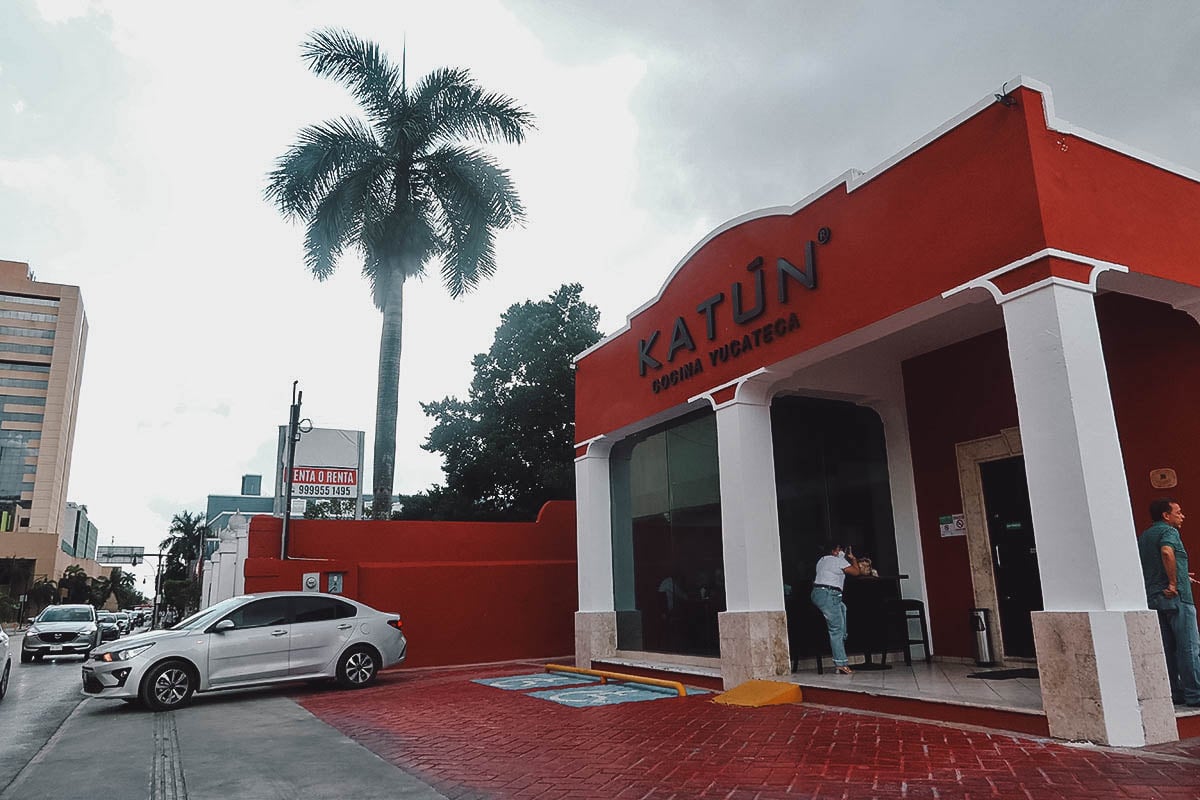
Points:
(986, 342)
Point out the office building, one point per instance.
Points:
(43, 336)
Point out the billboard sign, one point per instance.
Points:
(325, 482)
(114, 554)
(328, 466)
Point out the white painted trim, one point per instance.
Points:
(986, 281)
(854, 179)
(588, 444)
(739, 382)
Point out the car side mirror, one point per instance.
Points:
(224, 625)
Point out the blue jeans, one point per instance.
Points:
(1181, 645)
(833, 609)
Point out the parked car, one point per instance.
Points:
(251, 640)
(5, 663)
(109, 629)
(123, 622)
(61, 631)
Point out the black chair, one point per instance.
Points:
(808, 636)
(899, 611)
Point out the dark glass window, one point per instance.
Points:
(320, 609)
(268, 611)
(831, 478)
(667, 563)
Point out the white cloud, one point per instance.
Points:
(58, 11)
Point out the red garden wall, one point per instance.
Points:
(468, 592)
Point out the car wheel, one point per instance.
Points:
(358, 667)
(26, 657)
(169, 685)
(4, 679)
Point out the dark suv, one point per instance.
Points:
(61, 631)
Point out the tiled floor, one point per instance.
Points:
(944, 682)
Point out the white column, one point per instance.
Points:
(749, 508)
(753, 627)
(242, 532)
(595, 621)
(1098, 648)
(1087, 544)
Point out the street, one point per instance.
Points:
(55, 742)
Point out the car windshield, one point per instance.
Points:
(66, 615)
(202, 619)
(105, 617)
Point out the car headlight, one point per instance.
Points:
(125, 654)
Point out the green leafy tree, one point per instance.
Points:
(42, 593)
(124, 585)
(120, 583)
(330, 509)
(405, 187)
(75, 585)
(509, 447)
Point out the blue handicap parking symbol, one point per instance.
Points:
(606, 695)
(520, 683)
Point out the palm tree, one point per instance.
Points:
(403, 188)
(182, 546)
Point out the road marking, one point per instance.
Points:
(166, 778)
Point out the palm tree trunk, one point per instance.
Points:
(388, 398)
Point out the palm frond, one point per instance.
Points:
(357, 64)
(318, 160)
(461, 174)
(452, 106)
(475, 197)
(338, 220)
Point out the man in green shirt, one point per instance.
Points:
(1169, 592)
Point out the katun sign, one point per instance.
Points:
(743, 312)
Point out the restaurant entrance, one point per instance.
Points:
(1014, 551)
(831, 478)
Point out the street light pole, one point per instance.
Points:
(293, 435)
(157, 592)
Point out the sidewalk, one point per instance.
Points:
(473, 741)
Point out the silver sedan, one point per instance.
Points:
(252, 640)
(5, 663)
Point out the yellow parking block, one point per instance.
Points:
(760, 693)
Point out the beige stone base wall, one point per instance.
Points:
(1104, 677)
(595, 636)
(754, 644)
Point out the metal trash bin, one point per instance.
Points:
(981, 626)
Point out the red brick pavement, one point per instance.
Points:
(474, 741)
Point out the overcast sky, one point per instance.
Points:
(135, 137)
